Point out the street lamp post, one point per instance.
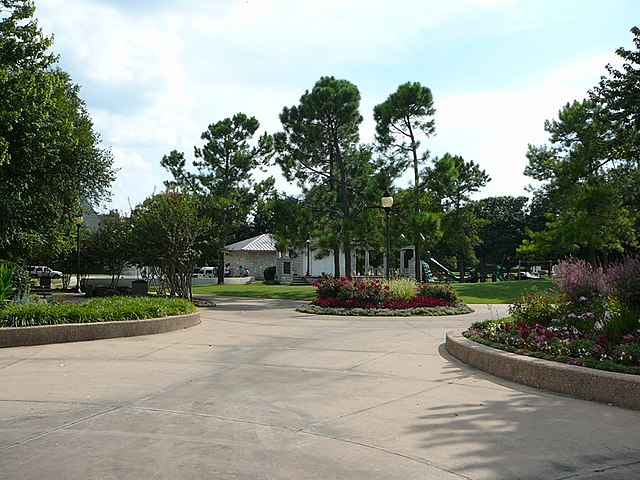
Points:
(308, 257)
(387, 202)
(78, 221)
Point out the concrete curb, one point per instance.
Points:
(81, 332)
(619, 389)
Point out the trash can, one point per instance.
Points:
(139, 288)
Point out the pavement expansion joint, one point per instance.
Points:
(375, 359)
(373, 407)
(388, 451)
(56, 429)
(598, 470)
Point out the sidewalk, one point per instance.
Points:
(261, 391)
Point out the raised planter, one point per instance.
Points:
(81, 332)
(619, 389)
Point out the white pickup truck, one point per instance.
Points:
(42, 271)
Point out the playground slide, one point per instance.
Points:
(445, 269)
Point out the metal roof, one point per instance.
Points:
(261, 243)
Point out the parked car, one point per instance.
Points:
(42, 271)
(207, 272)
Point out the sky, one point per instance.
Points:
(155, 73)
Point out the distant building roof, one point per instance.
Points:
(261, 243)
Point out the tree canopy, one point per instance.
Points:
(50, 156)
(319, 149)
(579, 178)
(406, 115)
(453, 179)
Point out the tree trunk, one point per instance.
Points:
(346, 210)
(336, 262)
(221, 268)
(592, 255)
(461, 267)
(416, 187)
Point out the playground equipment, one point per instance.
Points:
(473, 276)
(427, 275)
(447, 272)
(500, 273)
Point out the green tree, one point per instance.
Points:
(169, 237)
(619, 93)
(225, 163)
(400, 120)
(183, 180)
(319, 149)
(228, 196)
(579, 178)
(50, 157)
(453, 180)
(110, 244)
(503, 229)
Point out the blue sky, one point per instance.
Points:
(154, 74)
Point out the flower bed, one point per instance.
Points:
(592, 320)
(373, 297)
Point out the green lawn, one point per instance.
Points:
(499, 292)
(259, 290)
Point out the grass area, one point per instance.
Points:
(95, 310)
(499, 292)
(259, 290)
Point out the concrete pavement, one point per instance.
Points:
(260, 391)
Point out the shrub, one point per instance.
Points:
(620, 319)
(578, 281)
(402, 288)
(446, 293)
(535, 308)
(94, 310)
(6, 289)
(21, 282)
(623, 283)
(269, 274)
(583, 292)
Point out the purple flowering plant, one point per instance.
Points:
(592, 319)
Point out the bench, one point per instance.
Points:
(43, 288)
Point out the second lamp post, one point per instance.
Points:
(387, 202)
(78, 221)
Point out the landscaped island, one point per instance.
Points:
(591, 320)
(374, 297)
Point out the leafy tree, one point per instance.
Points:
(579, 179)
(169, 238)
(225, 164)
(503, 229)
(183, 180)
(227, 194)
(453, 180)
(110, 244)
(319, 149)
(619, 94)
(50, 156)
(400, 120)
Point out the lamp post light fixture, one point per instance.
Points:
(308, 257)
(387, 203)
(78, 220)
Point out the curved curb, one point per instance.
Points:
(81, 332)
(619, 389)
